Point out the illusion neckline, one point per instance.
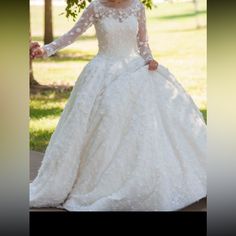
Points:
(117, 8)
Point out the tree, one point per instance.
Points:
(48, 27)
(33, 82)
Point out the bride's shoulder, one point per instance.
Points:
(135, 3)
(139, 5)
(100, 9)
(139, 2)
(96, 4)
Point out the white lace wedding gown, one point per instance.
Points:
(129, 139)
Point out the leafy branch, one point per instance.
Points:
(74, 7)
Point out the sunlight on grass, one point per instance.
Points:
(175, 40)
(45, 110)
(58, 72)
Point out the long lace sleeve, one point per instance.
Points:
(85, 21)
(142, 36)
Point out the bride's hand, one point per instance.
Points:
(32, 46)
(152, 65)
(38, 52)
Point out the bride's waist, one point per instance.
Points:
(118, 54)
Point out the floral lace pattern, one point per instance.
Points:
(85, 21)
(142, 36)
(94, 13)
(118, 13)
(128, 139)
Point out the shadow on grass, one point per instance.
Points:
(68, 56)
(83, 37)
(47, 97)
(50, 91)
(201, 27)
(179, 16)
(204, 113)
(50, 96)
(39, 139)
(37, 113)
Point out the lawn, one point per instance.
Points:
(175, 40)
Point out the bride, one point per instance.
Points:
(130, 138)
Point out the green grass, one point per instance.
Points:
(174, 40)
(45, 110)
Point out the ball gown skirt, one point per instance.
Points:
(128, 139)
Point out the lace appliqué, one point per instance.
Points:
(86, 20)
(142, 37)
(118, 13)
(137, 9)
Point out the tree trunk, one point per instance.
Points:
(48, 28)
(33, 82)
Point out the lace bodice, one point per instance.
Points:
(121, 32)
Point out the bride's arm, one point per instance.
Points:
(85, 21)
(142, 37)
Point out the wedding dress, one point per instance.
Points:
(128, 139)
